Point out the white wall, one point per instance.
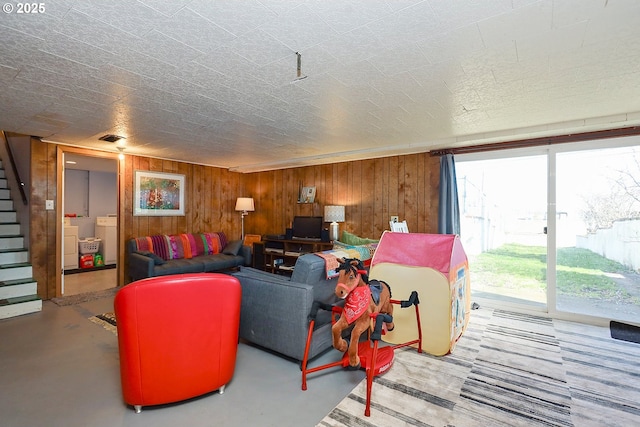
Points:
(89, 194)
(619, 243)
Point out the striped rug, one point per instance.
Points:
(508, 369)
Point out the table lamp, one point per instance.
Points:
(334, 215)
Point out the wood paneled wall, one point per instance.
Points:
(42, 223)
(372, 191)
(210, 198)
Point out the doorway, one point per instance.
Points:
(555, 229)
(89, 209)
(503, 219)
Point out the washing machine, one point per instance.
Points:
(107, 231)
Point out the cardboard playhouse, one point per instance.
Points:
(436, 266)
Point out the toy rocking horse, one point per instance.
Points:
(365, 302)
(362, 299)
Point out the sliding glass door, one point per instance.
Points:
(557, 229)
(598, 233)
(503, 222)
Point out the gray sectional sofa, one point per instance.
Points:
(275, 309)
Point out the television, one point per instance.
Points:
(307, 227)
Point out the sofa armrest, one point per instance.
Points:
(246, 254)
(140, 266)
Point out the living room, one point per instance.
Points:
(368, 189)
(356, 99)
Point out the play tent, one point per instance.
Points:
(436, 266)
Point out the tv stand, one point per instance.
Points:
(280, 255)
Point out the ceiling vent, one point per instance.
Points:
(111, 138)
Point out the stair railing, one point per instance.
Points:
(23, 193)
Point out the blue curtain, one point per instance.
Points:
(448, 210)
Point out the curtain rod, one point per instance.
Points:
(545, 140)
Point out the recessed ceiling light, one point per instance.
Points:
(111, 138)
(70, 162)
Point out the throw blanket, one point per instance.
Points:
(362, 252)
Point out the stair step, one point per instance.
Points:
(9, 229)
(5, 194)
(8, 217)
(12, 307)
(6, 205)
(11, 242)
(18, 288)
(2, 175)
(14, 256)
(4, 183)
(15, 271)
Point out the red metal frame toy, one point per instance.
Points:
(374, 359)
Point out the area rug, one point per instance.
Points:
(85, 297)
(508, 369)
(106, 320)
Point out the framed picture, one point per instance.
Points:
(307, 195)
(158, 194)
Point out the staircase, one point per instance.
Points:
(18, 289)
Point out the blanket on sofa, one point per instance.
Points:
(179, 246)
(362, 252)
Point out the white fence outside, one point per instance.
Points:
(619, 243)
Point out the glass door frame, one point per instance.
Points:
(550, 151)
(600, 144)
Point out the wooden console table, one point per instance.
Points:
(280, 255)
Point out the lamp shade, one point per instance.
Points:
(334, 213)
(245, 204)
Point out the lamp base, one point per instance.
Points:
(334, 230)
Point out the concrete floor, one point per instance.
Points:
(89, 281)
(60, 369)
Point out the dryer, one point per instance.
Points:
(107, 231)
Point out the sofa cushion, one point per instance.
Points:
(156, 259)
(217, 262)
(233, 248)
(179, 266)
(311, 269)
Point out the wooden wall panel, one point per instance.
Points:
(371, 191)
(42, 235)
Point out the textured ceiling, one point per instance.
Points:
(215, 82)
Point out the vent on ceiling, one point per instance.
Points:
(111, 138)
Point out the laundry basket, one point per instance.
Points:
(90, 245)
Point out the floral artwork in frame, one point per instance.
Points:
(158, 194)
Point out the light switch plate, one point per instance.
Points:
(48, 205)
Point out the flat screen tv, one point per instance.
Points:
(307, 227)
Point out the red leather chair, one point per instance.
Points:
(177, 336)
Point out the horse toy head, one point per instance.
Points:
(351, 273)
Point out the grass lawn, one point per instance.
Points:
(580, 272)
